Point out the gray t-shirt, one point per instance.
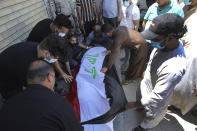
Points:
(163, 73)
(110, 8)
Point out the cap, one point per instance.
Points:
(63, 20)
(164, 24)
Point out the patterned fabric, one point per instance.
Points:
(87, 10)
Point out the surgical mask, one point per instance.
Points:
(62, 34)
(155, 44)
(187, 2)
(126, 3)
(50, 61)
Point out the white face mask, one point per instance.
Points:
(62, 34)
(50, 61)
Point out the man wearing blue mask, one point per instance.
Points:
(165, 69)
(110, 11)
(16, 59)
(42, 29)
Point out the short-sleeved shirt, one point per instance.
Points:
(154, 11)
(87, 10)
(95, 40)
(15, 61)
(128, 15)
(110, 8)
(38, 109)
(40, 31)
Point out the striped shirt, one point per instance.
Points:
(87, 9)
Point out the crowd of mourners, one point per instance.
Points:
(156, 36)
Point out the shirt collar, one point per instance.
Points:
(37, 86)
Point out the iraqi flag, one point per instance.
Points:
(96, 97)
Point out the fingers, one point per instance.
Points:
(67, 78)
(104, 70)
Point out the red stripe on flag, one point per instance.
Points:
(72, 95)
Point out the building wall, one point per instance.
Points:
(17, 18)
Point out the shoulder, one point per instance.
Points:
(153, 6)
(135, 7)
(177, 9)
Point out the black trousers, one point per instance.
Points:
(111, 21)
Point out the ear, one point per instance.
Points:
(50, 77)
(45, 53)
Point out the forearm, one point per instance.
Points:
(101, 9)
(136, 24)
(119, 8)
(95, 10)
(112, 57)
(144, 24)
(79, 13)
(58, 68)
(83, 46)
(68, 67)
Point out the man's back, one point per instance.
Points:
(14, 63)
(40, 31)
(38, 109)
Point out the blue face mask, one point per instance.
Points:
(187, 2)
(126, 3)
(155, 44)
(50, 61)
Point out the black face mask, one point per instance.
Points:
(73, 44)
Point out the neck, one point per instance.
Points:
(44, 83)
(173, 44)
(52, 27)
(165, 5)
(39, 52)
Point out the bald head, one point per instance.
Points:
(97, 30)
(38, 71)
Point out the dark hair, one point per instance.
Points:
(107, 28)
(62, 20)
(72, 34)
(39, 70)
(181, 32)
(55, 44)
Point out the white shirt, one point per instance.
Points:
(129, 14)
(185, 91)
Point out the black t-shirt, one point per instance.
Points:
(38, 109)
(14, 64)
(40, 31)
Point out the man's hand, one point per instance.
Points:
(104, 69)
(67, 78)
(131, 105)
(97, 20)
(134, 105)
(107, 52)
(118, 19)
